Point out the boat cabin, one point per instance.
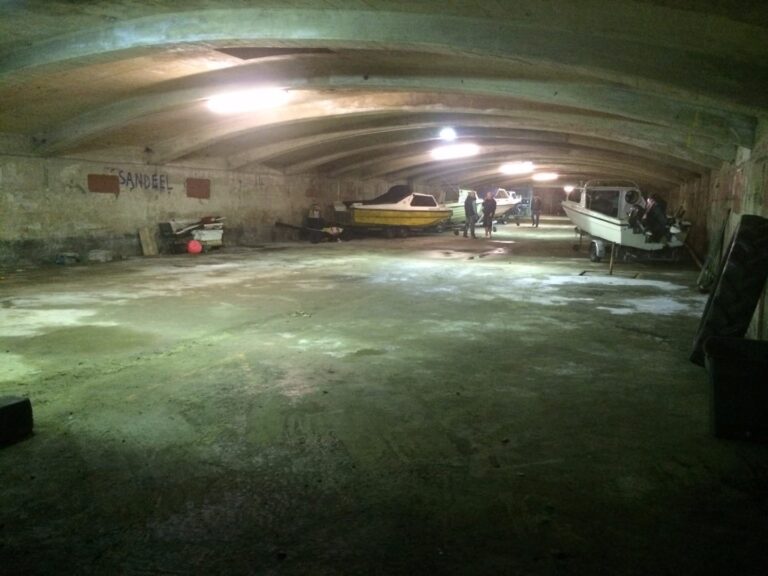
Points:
(456, 196)
(614, 200)
(423, 200)
(502, 194)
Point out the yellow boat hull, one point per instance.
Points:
(398, 218)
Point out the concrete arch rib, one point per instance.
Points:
(632, 56)
(488, 174)
(694, 119)
(406, 134)
(574, 174)
(316, 146)
(357, 163)
(411, 153)
(479, 175)
(544, 156)
(643, 135)
(424, 168)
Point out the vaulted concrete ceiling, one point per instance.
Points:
(657, 91)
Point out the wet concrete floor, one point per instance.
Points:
(423, 405)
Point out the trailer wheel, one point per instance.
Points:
(593, 255)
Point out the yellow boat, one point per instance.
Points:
(398, 208)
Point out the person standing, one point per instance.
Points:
(535, 211)
(470, 212)
(489, 211)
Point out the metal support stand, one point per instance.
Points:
(613, 254)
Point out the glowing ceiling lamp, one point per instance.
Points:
(568, 188)
(454, 151)
(545, 176)
(247, 100)
(517, 168)
(448, 134)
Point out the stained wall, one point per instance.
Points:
(49, 206)
(715, 204)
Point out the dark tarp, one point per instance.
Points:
(391, 196)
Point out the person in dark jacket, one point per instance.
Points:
(489, 211)
(655, 218)
(470, 211)
(535, 211)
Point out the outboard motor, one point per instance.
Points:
(635, 210)
(634, 217)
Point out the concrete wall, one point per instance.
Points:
(46, 206)
(715, 205)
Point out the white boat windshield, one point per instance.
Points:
(423, 200)
(605, 201)
(575, 196)
(456, 196)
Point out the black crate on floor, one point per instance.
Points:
(738, 375)
(15, 419)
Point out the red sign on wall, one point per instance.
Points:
(104, 183)
(198, 188)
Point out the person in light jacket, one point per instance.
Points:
(489, 211)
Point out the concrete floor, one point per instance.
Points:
(429, 405)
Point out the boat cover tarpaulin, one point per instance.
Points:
(391, 196)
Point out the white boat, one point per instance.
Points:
(456, 206)
(619, 214)
(505, 202)
(397, 209)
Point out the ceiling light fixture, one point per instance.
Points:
(247, 100)
(453, 151)
(568, 188)
(545, 176)
(448, 134)
(517, 168)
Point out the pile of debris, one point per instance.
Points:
(193, 235)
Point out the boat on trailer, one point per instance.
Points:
(397, 211)
(506, 201)
(619, 214)
(456, 205)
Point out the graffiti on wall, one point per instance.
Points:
(142, 180)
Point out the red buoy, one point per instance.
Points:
(194, 247)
